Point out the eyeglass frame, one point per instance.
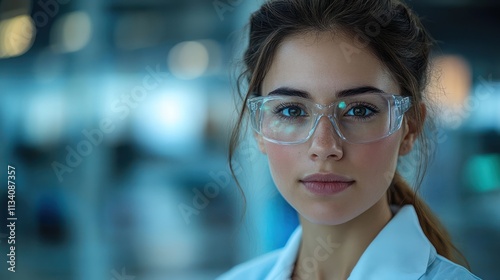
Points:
(401, 105)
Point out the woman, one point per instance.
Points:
(335, 97)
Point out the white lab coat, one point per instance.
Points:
(401, 251)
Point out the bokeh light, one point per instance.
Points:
(16, 36)
(44, 119)
(72, 32)
(450, 84)
(188, 60)
(171, 123)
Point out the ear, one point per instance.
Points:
(260, 142)
(411, 130)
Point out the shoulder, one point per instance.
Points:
(277, 264)
(442, 268)
(257, 268)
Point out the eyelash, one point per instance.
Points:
(366, 105)
(279, 109)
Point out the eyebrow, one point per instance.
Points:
(286, 91)
(358, 90)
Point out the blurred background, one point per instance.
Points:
(116, 117)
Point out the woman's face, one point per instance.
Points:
(322, 65)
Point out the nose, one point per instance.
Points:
(325, 142)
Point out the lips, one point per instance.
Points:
(325, 184)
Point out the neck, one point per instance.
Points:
(332, 251)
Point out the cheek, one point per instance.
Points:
(377, 161)
(283, 161)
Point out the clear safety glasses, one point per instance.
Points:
(360, 118)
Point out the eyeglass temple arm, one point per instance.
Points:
(404, 103)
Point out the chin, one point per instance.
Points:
(321, 215)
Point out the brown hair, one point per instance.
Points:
(393, 33)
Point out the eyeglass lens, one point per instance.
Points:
(360, 118)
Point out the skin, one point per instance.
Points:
(314, 63)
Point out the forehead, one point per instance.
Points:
(325, 63)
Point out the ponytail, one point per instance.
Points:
(400, 193)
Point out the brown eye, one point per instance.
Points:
(359, 111)
(293, 111)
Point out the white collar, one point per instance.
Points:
(400, 251)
